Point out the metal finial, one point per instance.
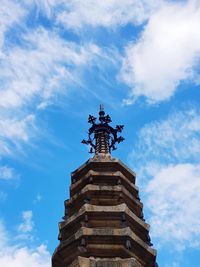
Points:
(101, 107)
(102, 137)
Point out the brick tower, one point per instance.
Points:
(103, 224)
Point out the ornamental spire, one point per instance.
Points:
(102, 137)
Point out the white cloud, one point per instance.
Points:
(41, 69)
(76, 14)
(167, 161)
(7, 173)
(10, 13)
(27, 225)
(166, 54)
(173, 199)
(15, 130)
(31, 76)
(175, 139)
(19, 255)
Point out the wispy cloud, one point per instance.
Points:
(27, 225)
(167, 158)
(47, 59)
(14, 130)
(172, 140)
(11, 13)
(173, 199)
(111, 13)
(7, 173)
(32, 75)
(166, 54)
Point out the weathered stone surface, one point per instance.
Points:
(88, 208)
(102, 164)
(103, 224)
(96, 242)
(105, 178)
(112, 262)
(104, 216)
(104, 195)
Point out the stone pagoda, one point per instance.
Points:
(103, 225)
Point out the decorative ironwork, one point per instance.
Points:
(102, 138)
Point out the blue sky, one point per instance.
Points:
(60, 60)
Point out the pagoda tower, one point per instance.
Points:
(103, 225)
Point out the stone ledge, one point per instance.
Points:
(104, 262)
(104, 163)
(101, 236)
(105, 188)
(92, 173)
(104, 209)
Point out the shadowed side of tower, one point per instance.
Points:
(103, 224)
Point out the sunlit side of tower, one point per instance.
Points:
(103, 225)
